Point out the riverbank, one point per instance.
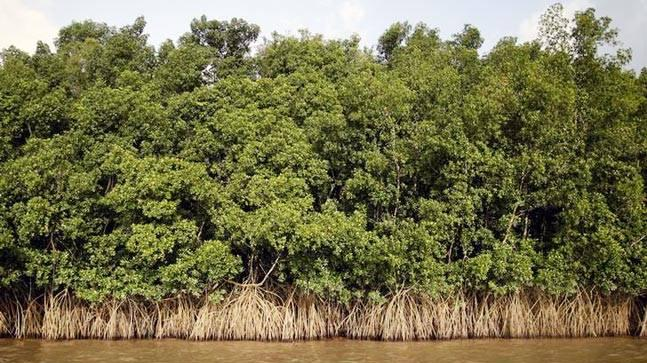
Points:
(254, 313)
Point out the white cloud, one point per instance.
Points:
(351, 13)
(23, 26)
(529, 27)
(631, 20)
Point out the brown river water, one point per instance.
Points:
(603, 350)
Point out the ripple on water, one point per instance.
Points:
(603, 350)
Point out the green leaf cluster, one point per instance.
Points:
(130, 171)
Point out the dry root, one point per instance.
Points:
(251, 312)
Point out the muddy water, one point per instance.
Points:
(607, 350)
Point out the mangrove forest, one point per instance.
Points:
(229, 186)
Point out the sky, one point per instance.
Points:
(24, 22)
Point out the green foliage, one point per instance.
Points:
(127, 171)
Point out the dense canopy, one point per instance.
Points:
(131, 171)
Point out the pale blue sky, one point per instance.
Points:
(22, 22)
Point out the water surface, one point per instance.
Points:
(603, 350)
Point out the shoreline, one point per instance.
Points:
(337, 339)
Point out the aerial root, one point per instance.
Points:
(251, 312)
